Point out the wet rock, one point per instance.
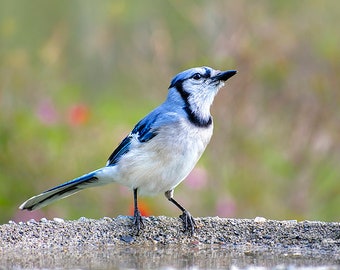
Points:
(261, 234)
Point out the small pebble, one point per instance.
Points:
(122, 217)
(260, 219)
(107, 219)
(31, 222)
(292, 221)
(127, 238)
(60, 220)
(83, 219)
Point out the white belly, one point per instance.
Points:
(161, 164)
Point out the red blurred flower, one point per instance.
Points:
(78, 114)
(143, 208)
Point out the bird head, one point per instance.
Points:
(197, 87)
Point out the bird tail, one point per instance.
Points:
(62, 191)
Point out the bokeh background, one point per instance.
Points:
(75, 76)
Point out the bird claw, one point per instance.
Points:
(188, 222)
(138, 221)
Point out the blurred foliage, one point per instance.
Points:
(75, 76)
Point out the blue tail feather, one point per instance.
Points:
(75, 181)
(61, 191)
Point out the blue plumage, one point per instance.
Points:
(142, 131)
(90, 177)
(145, 129)
(122, 149)
(184, 75)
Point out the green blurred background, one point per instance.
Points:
(75, 76)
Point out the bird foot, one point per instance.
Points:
(188, 222)
(138, 221)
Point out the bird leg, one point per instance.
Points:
(137, 218)
(188, 220)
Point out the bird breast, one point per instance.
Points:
(163, 162)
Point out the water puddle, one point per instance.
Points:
(164, 257)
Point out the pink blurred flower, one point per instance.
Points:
(226, 207)
(197, 179)
(27, 215)
(124, 191)
(46, 112)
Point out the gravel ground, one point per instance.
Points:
(46, 243)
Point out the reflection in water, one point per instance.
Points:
(147, 257)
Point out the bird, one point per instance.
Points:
(162, 148)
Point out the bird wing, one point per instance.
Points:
(122, 149)
(144, 131)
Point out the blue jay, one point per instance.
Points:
(161, 150)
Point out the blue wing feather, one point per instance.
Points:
(144, 131)
(122, 149)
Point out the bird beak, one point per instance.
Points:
(224, 75)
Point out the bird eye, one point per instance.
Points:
(197, 76)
